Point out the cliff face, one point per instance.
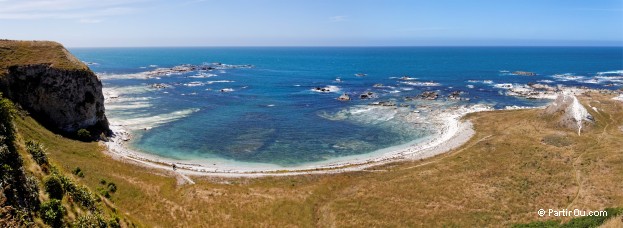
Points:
(58, 90)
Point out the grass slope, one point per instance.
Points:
(14, 52)
(518, 162)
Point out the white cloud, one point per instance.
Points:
(338, 18)
(83, 10)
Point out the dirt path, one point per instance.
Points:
(578, 172)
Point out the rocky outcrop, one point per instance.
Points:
(570, 112)
(64, 97)
(428, 95)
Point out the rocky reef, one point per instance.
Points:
(53, 86)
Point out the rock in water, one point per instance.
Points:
(57, 89)
(344, 97)
(572, 113)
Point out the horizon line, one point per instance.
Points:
(340, 46)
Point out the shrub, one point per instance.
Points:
(79, 194)
(37, 151)
(31, 197)
(84, 135)
(593, 221)
(104, 192)
(52, 213)
(83, 196)
(54, 187)
(7, 111)
(78, 172)
(112, 187)
(68, 185)
(90, 220)
(103, 181)
(114, 222)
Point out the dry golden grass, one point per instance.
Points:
(518, 162)
(14, 52)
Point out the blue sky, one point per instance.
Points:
(106, 23)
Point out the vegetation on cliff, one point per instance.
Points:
(19, 192)
(34, 191)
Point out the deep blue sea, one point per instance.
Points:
(269, 113)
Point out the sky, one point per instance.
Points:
(145, 23)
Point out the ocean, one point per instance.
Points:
(266, 105)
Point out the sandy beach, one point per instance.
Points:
(453, 132)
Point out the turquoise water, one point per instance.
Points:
(273, 116)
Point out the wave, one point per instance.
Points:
(421, 83)
(481, 81)
(203, 75)
(193, 84)
(601, 77)
(326, 89)
(614, 72)
(218, 81)
(567, 77)
(145, 123)
(503, 86)
(128, 105)
(117, 92)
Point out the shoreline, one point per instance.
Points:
(453, 133)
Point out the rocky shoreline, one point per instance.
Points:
(452, 134)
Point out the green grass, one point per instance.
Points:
(501, 177)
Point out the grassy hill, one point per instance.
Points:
(13, 52)
(518, 162)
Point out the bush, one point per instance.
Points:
(68, 185)
(54, 187)
(31, 196)
(78, 172)
(104, 193)
(593, 221)
(79, 194)
(586, 221)
(84, 197)
(84, 135)
(90, 220)
(114, 222)
(7, 111)
(37, 151)
(112, 187)
(52, 213)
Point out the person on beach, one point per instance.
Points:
(174, 167)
